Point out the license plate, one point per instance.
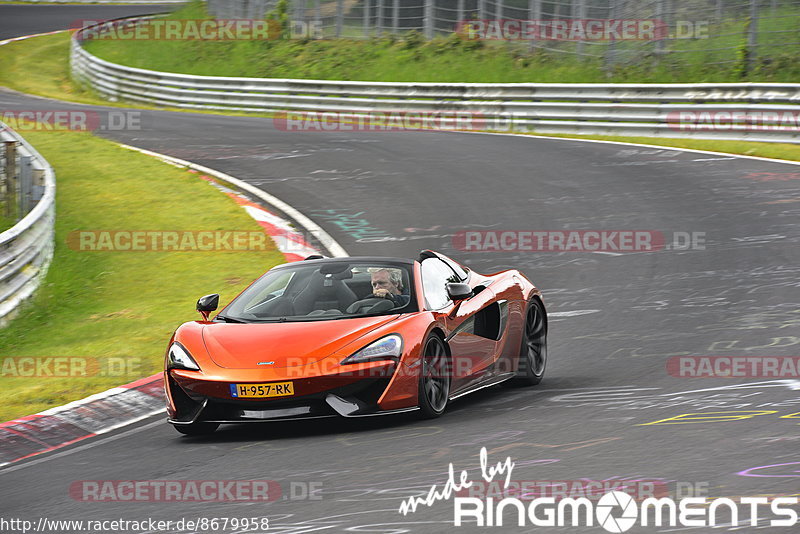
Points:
(262, 391)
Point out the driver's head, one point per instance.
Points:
(388, 279)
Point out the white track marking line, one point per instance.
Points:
(572, 313)
(88, 445)
(661, 147)
(335, 249)
(22, 38)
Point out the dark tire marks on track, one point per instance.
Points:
(606, 371)
(20, 20)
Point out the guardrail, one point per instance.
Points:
(27, 247)
(599, 109)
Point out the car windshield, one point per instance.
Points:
(324, 290)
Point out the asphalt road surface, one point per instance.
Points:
(616, 320)
(17, 20)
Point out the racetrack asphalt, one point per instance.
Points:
(616, 320)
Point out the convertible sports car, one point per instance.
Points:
(353, 337)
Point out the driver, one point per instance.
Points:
(388, 284)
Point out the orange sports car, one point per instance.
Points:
(354, 337)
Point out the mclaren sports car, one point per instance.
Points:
(354, 337)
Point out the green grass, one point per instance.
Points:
(125, 305)
(748, 148)
(5, 222)
(20, 63)
(40, 66)
(452, 59)
(119, 304)
(23, 64)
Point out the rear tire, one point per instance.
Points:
(533, 350)
(434, 378)
(197, 429)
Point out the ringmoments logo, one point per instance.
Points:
(615, 511)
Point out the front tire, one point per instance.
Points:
(197, 429)
(434, 378)
(533, 351)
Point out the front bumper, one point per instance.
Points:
(193, 398)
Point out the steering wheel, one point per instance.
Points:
(369, 304)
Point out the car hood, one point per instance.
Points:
(288, 344)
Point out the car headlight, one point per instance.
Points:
(179, 358)
(386, 348)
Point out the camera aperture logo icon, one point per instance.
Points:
(605, 507)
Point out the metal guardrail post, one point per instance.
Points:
(580, 8)
(38, 184)
(25, 184)
(428, 20)
(379, 19)
(3, 186)
(4, 192)
(12, 186)
(535, 13)
(611, 49)
(660, 17)
(339, 17)
(752, 35)
(299, 14)
(366, 16)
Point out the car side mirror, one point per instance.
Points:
(207, 304)
(458, 292)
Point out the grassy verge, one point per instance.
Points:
(21, 62)
(40, 66)
(5, 222)
(120, 305)
(748, 148)
(719, 58)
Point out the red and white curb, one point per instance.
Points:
(98, 414)
(22, 38)
(288, 240)
(124, 405)
(310, 227)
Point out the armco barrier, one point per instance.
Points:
(598, 109)
(27, 247)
